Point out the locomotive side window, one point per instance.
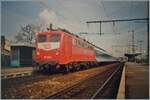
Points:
(81, 44)
(42, 38)
(74, 41)
(55, 38)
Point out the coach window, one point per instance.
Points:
(78, 43)
(91, 47)
(81, 44)
(84, 45)
(42, 38)
(55, 38)
(74, 41)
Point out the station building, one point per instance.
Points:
(22, 55)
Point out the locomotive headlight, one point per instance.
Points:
(57, 53)
(38, 53)
(47, 57)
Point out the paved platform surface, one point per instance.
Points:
(16, 72)
(137, 81)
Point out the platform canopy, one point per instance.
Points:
(131, 57)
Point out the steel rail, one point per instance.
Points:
(105, 83)
(53, 96)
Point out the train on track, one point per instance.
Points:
(65, 51)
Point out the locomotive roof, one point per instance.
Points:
(82, 39)
(66, 31)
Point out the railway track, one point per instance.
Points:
(44, 86)
(110, 87)
(86, 89)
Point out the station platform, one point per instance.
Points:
(136, 81)
(16, 72)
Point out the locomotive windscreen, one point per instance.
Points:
(55, 41)
(48, 41)
(42, 38)
(55, 38)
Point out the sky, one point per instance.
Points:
(73, 15)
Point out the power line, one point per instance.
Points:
(119, 20)
(114, 20)
(95, 33)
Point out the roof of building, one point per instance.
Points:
(132, 55)
(24, 44)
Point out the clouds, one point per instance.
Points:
(47, 16)
(73, 14)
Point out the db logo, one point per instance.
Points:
(46, 46)
(47, 57)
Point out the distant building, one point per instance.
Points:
(131, 57)
(5, 52)
(22, 55)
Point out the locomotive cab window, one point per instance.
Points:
(42, 38)
(55, 38)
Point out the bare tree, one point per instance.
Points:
(27, 33)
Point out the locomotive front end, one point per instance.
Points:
(47, 50)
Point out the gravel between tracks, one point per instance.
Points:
(50, 85)
(85, 89)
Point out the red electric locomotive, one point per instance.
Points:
(58, 49)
